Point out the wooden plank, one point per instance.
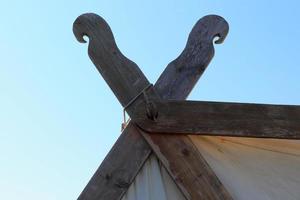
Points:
(121, 165)
(187, 167)
(182, 160)
(223, 119)
(119, 168)
(193, 69)
(122, 75)
(182, 74)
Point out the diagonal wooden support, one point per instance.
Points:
(116, 172)
(222, 119)
(121, 165)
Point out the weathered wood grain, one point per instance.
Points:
(193, 70)
(182, 74)
(121, 165)
(122, 75)
(189, 170)
(187, 167)
(119, 168)
(223, 119)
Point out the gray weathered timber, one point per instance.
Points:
(225, 119)
(182, 160)
(181, 75)
(117, 171)
(96, 186)
(121, 165)
(122, 75)
(187, 167)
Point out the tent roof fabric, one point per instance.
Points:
(250, 168)
(153, 183)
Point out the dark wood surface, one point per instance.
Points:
(121, 165)
(187, 167)
(180, 157)
(122, 75)
(193, 69)
(117, 171)
(182, 74)
(225, 119)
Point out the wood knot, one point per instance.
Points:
(108, 176)
(200, 175)
(177, 179)
(185, 152)
(180, 69)
(151, 111)
(121, 184)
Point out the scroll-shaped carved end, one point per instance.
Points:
(79, 27)
(181, 74)
(221, 28)
(121, 74)
(91, 25)
(210, 27)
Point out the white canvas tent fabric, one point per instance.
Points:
(153, 183)
(249, 168)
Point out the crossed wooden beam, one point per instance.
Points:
(161, 118)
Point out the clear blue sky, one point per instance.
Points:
(58, 118)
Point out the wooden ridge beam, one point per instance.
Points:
(223, 119)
